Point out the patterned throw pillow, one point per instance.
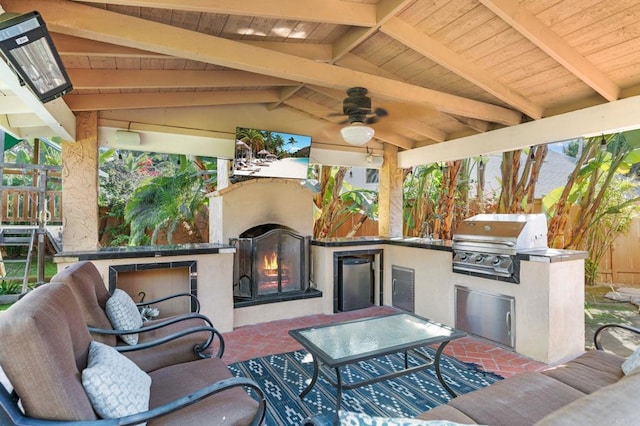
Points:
(115, 386)
(632, 362)
(124, 315)
(349, 418)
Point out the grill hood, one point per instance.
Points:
(501, 233)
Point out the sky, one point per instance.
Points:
(301, 141)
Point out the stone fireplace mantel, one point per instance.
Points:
(247, 204)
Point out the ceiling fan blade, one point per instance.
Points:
(344, 121)
(380, 112)
(371, 120)
(334, 114)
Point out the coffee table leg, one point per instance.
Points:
(436, 362)
(339, 387)
(313, 379)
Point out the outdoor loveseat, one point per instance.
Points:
(58, 373)
(597, 387)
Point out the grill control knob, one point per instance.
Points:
(497, 261)
(479, 258)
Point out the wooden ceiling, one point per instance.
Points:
(444, 69)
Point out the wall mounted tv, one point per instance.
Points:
(265, 153)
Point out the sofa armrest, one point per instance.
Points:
(194, 300)
(607, 327)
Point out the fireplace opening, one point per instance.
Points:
(271, 264)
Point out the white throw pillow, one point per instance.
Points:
(350, 418)
(124, 315)
(632, 362)
(115, 385)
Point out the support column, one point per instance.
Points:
(390, 194)
(80, 186)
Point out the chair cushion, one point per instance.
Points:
(230, 407)
(124, 315)
(173, 352)
(116, 386)
(44, 345)
(87, 285)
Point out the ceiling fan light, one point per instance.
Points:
(357, 134)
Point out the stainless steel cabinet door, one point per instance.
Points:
(487, 315)
(403, 288)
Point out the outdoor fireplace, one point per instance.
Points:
(271, 264)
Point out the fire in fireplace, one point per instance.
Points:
(271, 264)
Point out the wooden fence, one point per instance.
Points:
(621, 264)
(21, 206)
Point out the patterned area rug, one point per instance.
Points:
(283, 377)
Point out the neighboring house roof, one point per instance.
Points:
(554, 173)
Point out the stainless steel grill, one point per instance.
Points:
(487, 244)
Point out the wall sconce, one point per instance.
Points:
(357, 133)
(29, 49)
(603, 144)
(374, 160)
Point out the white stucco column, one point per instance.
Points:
(80, 186)
(390, 194)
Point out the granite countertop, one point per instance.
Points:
(144, 251)
(539, 254)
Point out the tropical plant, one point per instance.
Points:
(574, 209)
(613, 218)
(596, 204)
(518, 183)
(336, 202)
(164, 203)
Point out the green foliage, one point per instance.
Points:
(10, 287)
(572, 148)
(598, 203)
(165, 202)
(337, 202)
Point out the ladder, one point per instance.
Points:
(17, 236)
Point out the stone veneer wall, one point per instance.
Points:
(244, 205)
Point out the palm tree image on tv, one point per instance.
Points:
(265, 153)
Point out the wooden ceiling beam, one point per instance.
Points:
(166, 100)
(352, 61)
(67, 45)
(432, 49)
(386, 9)
(169, 79)
(329, 11)
(76, 46)
(517, 16)
(93, 23)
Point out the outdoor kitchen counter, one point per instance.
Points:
(545, 255)
(142, 251)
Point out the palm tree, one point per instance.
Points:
(165, 203)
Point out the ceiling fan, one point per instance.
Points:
(357, 107)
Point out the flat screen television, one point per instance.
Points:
(265, 153)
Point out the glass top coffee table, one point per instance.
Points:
(336, 345)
